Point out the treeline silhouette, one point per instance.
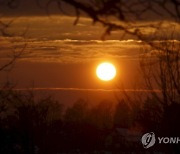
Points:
(43, 126)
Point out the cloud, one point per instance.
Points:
(83, 50)
(56, 39)
(87, 89)
(73, 51)
(62, 27)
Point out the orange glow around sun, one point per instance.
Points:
(106, 71)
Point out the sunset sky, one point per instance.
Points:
(61, 55)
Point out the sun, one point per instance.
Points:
(106, 71)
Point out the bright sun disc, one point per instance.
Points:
(106, 71)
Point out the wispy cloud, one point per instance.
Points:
(72, 51)
(62, 27)
(86, 89)
(68, 51)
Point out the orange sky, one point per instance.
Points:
(61, 55)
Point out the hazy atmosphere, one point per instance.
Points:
(102, 71)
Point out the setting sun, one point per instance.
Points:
(106, 71)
